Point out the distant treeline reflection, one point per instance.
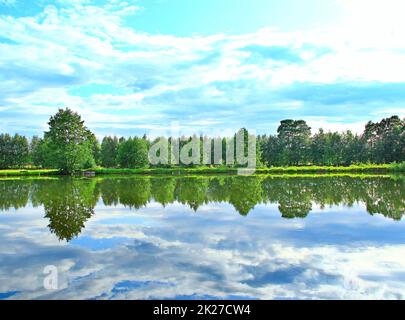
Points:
(70, 202)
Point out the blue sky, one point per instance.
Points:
(209, 66)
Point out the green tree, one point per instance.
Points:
(295, 141)
(109, 152)
(70, 143)
(5, 151)
(34, 145)
(96, 151)
(133, 153)
(385, 140)
(271, 151)
(14, 151)
(353, 148)
(327, 148)
(41, 154)
(318, 146)
(20, 151)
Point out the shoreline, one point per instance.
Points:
(316, 170)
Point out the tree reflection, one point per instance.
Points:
(69, 202)
(244, 193)
(162, 189)
(387, 198)
(192, 191)
(14, 193)
(110, 192)
(134, 193)
(294, 196)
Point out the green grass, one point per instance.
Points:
(28, 172)
(397, 167)
(364, 168)
(196, 170)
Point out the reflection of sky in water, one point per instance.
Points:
(174, 252)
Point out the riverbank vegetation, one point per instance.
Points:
(366, 168)
(70, 147)
(354, 169)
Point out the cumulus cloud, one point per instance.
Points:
(49, 60)
(156, 252)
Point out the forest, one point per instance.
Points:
(70, 146)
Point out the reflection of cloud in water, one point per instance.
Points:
(177, 253)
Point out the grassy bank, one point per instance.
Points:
(364, 168)
(369, 168)
(28, 172)
(385, 168)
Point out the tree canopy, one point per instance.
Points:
(69, 143)
(133, 153)
(14, 151)
(69, 146)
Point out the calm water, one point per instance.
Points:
(203, 237)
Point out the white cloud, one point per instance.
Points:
(374, 23)
(164, 264)
(78, 44)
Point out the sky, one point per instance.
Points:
(206, 66)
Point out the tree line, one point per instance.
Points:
(380, 142)
(70, 146)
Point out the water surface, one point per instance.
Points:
(253, 237)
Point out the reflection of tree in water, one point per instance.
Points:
(14, 193)
(109, 191)
(218, 190)
(382, 195)
(162, 189)
(294, 196)
(291, 209)
(68, 204)
(385, 196)
(244, 193)
(336, 191)
(134, 193)
(192, 191)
